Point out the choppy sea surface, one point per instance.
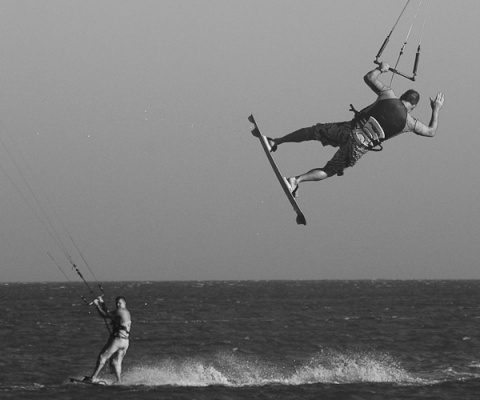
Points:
(248, 340)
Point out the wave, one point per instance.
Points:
(233, 369)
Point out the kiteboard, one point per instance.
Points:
(283, 181)
(87, 381)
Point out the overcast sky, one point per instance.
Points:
(128, 121)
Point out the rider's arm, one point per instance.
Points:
(371, 79)
(102, 308)
(430, 130)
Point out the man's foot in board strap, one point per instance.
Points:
(292, 186)
(272, 145)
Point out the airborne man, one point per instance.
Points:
(387, 117)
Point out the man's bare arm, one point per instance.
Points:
(102, 308)
(371, 79)
(430, 130)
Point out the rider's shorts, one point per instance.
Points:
(338, 134)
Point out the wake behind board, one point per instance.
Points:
(85, 381)
(263, 140)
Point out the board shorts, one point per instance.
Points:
(338, 134)
(116, 347)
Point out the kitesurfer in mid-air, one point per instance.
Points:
(387, 117)
(117, 344)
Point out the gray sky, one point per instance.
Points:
(131, 118)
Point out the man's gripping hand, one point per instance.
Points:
(384, 66)
(98, 301)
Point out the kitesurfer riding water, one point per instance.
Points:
(387, 117)
(117, 344)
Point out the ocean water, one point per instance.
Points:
(248, 340)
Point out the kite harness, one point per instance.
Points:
(381, 121)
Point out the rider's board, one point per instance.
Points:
(263, 140)
(86, 381)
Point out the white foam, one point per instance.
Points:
(351, 367)
(232, 369)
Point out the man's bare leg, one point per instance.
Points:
(298, 136)
(314, 175)
(117, 365)
(103, 357)
(100, 363)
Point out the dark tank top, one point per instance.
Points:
(391, 114)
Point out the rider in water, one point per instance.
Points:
(117, 344)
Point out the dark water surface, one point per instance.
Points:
(249, 340)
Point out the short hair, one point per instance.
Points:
(120, 298)
(412, 96)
